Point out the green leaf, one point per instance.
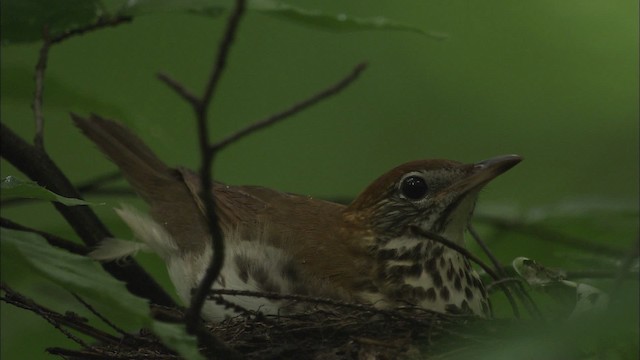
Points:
(175, 336)
(13, 187)
(76, 273)
(84, 276)
(278, 9)
(24, 20)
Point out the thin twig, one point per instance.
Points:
(51, 239)
(41, 66)
(503, 281)
(179, 89)
(217, 259)
(57, 319)
(393, 313)
(98, 181)
(261, 124)
(99, 315)
(521, 293)
(544, 234)
(102, 22)
(441, 239)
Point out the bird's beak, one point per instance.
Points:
(480, 173)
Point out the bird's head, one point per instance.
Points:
(434, 195)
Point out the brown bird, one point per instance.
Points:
(371, 251)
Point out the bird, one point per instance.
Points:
(371, 251)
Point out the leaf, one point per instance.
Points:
(76, 273)
(13, 187)
(314, 18)
(84, 276)
(25, 20)
(175, 336)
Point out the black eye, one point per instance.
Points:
(414, 187)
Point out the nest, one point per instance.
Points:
(350, 331)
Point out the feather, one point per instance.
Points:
(116, 249)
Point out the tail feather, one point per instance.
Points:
(140, 166)
(173, 204)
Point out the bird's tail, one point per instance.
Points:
(149, 175)
(173, 202)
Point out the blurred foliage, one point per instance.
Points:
(556, 82)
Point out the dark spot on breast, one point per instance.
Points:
(414, 254)
(444, 293)
(420, 293)
(242, 267)
(450, 273)
(431, 294)
(431, 265)
(401, 271)
(457, 283)
(465, 307)
(437, 279)
(387, 254)
(443, 262)
(467, 264)
(265, 283)
(485, 308)
(468, 293)
(593, 298)
(467, 278)
(437, 251)
(290, 272)
(460, 272)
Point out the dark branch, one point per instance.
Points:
(524, 297)
(296, 108)
(179, 89)
(551, 236)
(53, 240)
(37, 165)
(41, 67)
(57, 319)
(103, 22)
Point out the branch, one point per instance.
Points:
(53, 240)
(41, 66)
(57, 319)
(101, 23)
(519, 289)
(296, 108)
(217, 259)
(551, 236)
(37, 165)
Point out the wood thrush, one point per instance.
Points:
(370, 251)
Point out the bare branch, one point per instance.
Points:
(179, 89)
(39, 167)
(223, 54)
(102, 22)
(41, 66)
(296, 108)
(51, 239)
(519, 289)
(99, 315)
(56, 319)
(551, 236)
(192, 315)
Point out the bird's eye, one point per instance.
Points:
(413, 187)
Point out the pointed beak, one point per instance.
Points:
(481, 173)
(484, 171)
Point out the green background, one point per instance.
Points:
(556, 82)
